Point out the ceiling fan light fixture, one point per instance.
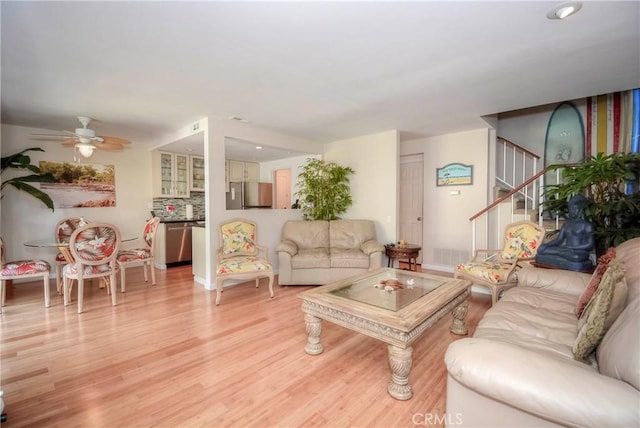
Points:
(86, 150)
(564, 10)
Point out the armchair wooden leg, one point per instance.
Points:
(218, 291)
(3, 288)
(271, 285)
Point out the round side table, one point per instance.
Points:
(409, 252)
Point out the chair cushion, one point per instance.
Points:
(72, 269)
(60, 258)
(24, 267)
(242, 264)
(134, 254)
(497, 273)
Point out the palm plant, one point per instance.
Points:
(22, 161)
(610, 184)
(323, 190)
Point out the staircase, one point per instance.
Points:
(517, 196)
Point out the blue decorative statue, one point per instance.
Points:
(571, 249)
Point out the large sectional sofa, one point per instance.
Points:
(319, 252)
(527, 364)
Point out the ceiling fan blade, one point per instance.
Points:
(114, 140)
(70, 142)
(48, 136)
(109, 146)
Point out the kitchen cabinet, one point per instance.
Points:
(244, 171)
(170, 175)
(196, 173)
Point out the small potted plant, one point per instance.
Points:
(323, 190)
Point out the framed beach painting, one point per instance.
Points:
(80, 185)
(454, 174)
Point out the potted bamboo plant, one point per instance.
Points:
(323, 190)
(610, 184)
(22, 161)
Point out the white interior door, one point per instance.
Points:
(411, 198)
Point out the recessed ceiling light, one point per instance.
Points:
(258, 147)
(564, 10)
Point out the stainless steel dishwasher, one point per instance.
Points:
(178, 243)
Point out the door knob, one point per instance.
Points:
(419, 218)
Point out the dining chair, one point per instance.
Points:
(63, 231)
(497, 269)
(238, 256)
(144, 255)
(94, 248)
(21, 269)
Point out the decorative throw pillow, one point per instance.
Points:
(601, 311)
(589, 291)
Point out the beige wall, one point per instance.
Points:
(374, 158)
(447, 229)
(24, 218)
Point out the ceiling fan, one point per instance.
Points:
(85, 140)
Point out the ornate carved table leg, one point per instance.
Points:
(313, 327)
(400, 364)
(459, 314)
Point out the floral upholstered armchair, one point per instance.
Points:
(239, 255)
(497, 269)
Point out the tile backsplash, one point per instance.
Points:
(160, 207)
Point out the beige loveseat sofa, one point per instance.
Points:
(519, 367)
(319, 252)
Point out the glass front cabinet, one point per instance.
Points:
(171, 175)
(197, 173)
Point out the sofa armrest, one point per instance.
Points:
(566, 392)
(369, 247)
(287, 246)
(563, 281)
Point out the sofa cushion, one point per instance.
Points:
(535, 319)
(348, 234)
(309, 258)
(629, 253)
(618, 354)
(602, 310)
(349, 258)
(603, 263)
(307, 234)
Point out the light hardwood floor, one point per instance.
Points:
(167, 356)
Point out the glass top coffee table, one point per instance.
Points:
(391, 305)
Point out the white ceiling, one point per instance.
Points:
(322, 71)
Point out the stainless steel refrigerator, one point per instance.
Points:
(245, 195)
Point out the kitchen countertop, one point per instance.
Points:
(180, 220)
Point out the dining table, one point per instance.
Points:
(62, 246)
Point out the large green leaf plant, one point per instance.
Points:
(605, 180)
(22, 161)
(323, 190)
